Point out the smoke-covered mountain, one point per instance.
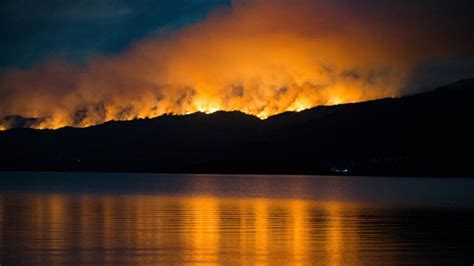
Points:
(428, 134)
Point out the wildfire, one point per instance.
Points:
(258, 58)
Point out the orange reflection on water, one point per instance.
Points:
(139, 229)
(300, 230)
(334, 234)
(202, 230)
(261, 230)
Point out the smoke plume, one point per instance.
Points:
(255, 56)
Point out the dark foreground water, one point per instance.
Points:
(143, 219)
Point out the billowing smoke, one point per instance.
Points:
(259, 57)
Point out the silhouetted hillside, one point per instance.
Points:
(428, 134)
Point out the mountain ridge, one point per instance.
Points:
(16, 121)
(425, 134)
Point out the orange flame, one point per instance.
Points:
(256, 57)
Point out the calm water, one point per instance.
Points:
(133, 219)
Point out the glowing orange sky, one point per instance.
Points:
(256, 57)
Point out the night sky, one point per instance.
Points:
(151, 57)
(33, 30)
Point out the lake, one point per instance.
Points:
(162, 219)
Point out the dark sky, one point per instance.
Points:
(84, 62)
(33, 30)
